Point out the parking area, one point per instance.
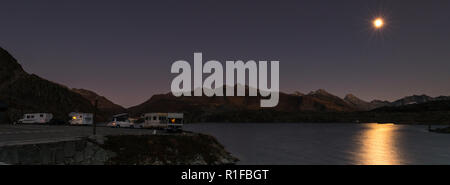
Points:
(29, 134)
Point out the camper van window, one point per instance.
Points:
(41, 115)
(154, 117)
(28, 116)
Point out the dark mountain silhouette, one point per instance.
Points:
(363, 105)
(415, 99)
(437, 105)
(317, 106)
(107, 107)
(26, 93)
(322, 101)
(204, 107)
(409, 100)
(379, 103)
(432, 112)
(442, 98)
(298, 93)
(358, 103)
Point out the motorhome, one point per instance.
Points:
(40, 118)
(121, 121)
(172, 121)
(78, 118)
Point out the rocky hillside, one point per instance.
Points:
(323, 101)
(437, 105)
(417, 99)
(182, 149)
(432, 112)
(174, 149)
(204, 107)
(107, 107)
(25, 93)
(317, 106)
(361, 104)
(379, 103)
(30, 93)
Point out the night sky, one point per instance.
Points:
(124, 49)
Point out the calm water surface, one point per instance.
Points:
(260, 143)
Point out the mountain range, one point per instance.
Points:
(316, 101)
(320, 103)
(30, 93)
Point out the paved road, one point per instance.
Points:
(26, 134)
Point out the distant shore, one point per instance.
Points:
(269, 116)
(445, 130)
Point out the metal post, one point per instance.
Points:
(9, 105)
(95, 115)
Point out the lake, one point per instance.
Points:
(336, 144)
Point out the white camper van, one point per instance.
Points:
(78, 118)
(173, 121)
(40, 118)
(121, 121)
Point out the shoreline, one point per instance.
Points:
(421, 124)
(180, 149)
(445, 130)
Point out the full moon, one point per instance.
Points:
(378, 23)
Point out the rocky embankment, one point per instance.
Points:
(182, 149)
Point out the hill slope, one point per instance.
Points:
(107, 107)
(30, 93)
(203, 108)
(361, 104)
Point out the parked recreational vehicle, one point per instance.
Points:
(40, 118)
(78, 118)
(121, 120)
(173, 121)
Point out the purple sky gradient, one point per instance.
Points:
(124, 49)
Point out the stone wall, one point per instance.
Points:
(81, 151)
(178, 149)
